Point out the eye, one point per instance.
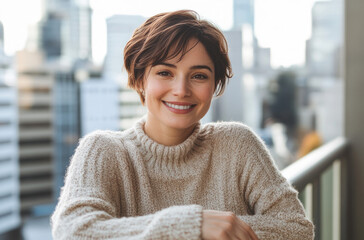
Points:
(200, 76)
(164, 73)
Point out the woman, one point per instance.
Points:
(169, 177)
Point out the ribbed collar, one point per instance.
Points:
(167, 155)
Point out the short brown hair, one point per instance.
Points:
(152, 41)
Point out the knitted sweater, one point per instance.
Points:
(124, 185)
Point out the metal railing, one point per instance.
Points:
(305, 175)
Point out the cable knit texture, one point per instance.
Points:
(124, 185)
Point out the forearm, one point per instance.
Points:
(89, 222)
(291, 227)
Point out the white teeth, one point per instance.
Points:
(179, 107)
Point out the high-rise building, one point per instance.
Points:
(243, 13)
(119, 30)
(36, 146)
(9, 170)
(255, 58)
(66, 30)
(66, 122)
(255, 64)
(1, 39)
(130, 108)
(324, 65)
(83, 102)
(51, 40)
(99, 103)
(324, 51)
(229, 107)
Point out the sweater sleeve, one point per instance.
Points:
(276, 212)
(89, 205)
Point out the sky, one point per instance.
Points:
(282, 25)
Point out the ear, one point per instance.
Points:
(139, 84)
(140, 90)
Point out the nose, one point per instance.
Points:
(181, 87)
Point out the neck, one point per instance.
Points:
(168, 136)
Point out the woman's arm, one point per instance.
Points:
(220, 225)
(276, 211)
(89, 206)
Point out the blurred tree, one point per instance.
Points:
(280, 118)
(282, 100)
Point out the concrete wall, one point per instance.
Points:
(354, 113)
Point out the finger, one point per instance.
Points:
(216, 228)
(233, 226)
(236, 228)
(241, 232)
(249, 230)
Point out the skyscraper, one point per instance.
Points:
(66, 30)
(99, 105)
(51, 40)
(36, 149)
(255, 58)
(228, 107)
(324, 48)
(243, 13)
(66, 123)
(9, 170)
(119, 30)
(1, 39)
(82, 102)
(324, 65)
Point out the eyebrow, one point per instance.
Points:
(193, 67)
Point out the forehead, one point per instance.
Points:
(194, 53)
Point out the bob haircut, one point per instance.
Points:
(165, 36)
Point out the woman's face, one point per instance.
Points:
(179, 93)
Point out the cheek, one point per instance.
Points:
(206, 93)
(154, 90)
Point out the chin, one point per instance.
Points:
(182, 124)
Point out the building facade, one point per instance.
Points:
(119, 30)
(36, 145)
(9, 151)
(324, 49)
(229, 107)
(66, 30)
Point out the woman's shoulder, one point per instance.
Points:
(235, 135)
(228, 129)
(104, 138)
(100, 136)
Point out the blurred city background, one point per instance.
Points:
(64, 79)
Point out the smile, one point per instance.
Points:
(179, 107)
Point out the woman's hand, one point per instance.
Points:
(225, 226)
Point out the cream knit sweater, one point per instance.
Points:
(123, 185)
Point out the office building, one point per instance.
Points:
(66, 123)
(9, 170)
(324, 49)
(1, 40)
(51, 40)
(324, 67)
(229, 106)
(255, 58)
(83, 102)
(36, 145)
(119, 30)
(99, 105)
(243, 13)
(66, 30)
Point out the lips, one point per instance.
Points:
(179, 107)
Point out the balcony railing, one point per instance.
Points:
(306, 175)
